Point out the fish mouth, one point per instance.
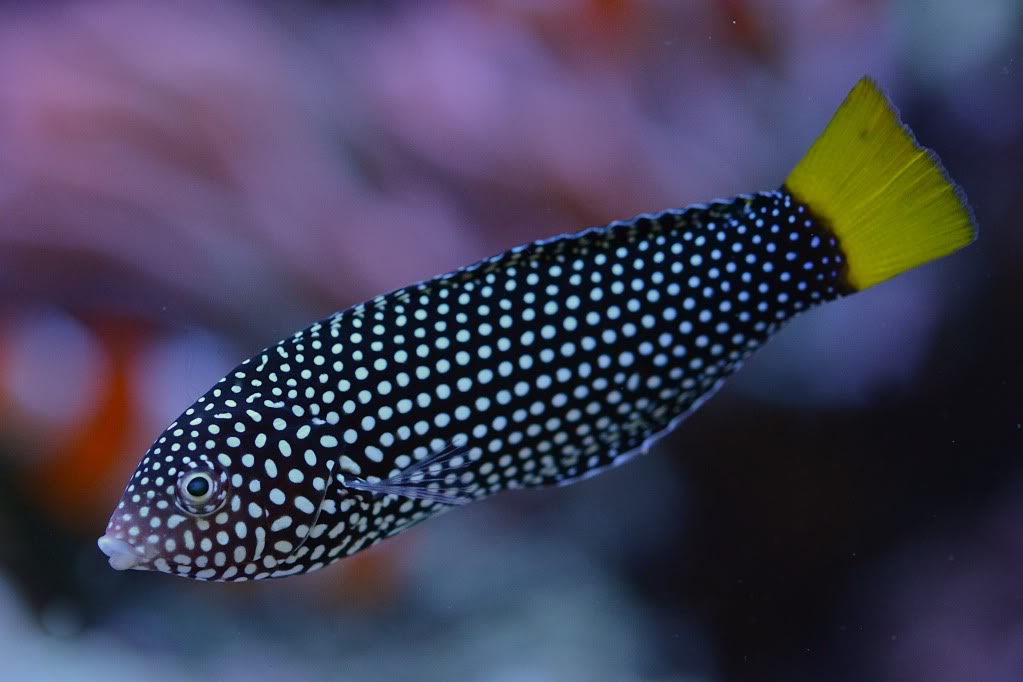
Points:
(122, 555)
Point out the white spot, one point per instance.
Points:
(349, 465)
(260, 545)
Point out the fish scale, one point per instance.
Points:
(557, 359)
(540, 366)
(550, 362)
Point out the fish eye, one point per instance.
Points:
(201, 491)
(198, 487)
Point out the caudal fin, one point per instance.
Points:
(887, 199)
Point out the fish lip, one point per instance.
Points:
(122, 555)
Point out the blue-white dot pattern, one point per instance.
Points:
(542, 365)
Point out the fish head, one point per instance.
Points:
(211, 501)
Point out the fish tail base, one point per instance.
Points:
(885, 197)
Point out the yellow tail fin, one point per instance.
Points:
(886, 198)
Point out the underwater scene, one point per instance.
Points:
(507, 341)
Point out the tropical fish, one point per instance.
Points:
(543, 365)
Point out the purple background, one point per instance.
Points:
(184, 183)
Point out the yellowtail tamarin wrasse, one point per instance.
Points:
(543, 365)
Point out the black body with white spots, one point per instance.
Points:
(543, 365)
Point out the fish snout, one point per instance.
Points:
(122, 555)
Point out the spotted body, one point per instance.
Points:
(540, 366)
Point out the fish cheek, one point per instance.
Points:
(220, 546)
(294, 520)
(247, 533)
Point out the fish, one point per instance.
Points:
(541, 366)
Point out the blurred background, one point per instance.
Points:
(182, 184)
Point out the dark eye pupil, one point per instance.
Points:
(198, 486)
